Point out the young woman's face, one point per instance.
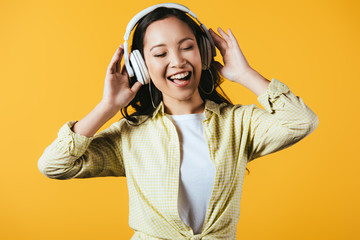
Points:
(173, 59)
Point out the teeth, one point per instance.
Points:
(180, 75)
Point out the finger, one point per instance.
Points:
(118, 65)
(112, 64)
(124, 71)
(232, 37)
(217, 37)
(135, 88)
(220, 43)
(115, 58)
(235, 42)
(222, 33)
(225, 36)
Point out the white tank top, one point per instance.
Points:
(197, 172)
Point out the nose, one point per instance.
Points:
(177, 59)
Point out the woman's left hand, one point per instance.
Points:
(235, 68)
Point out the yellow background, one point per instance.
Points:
(54, 56)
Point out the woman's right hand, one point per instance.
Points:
(117, 93)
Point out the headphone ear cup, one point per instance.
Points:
(136, 68)
(139, 67)
(142, 66)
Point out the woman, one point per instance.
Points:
(184, 151)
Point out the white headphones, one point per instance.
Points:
(207, 46)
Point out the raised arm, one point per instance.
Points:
(117, 95)
(236, 68)
(77, 152)
(285, 120)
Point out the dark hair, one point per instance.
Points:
(142, 101)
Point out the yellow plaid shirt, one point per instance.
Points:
(149, 156)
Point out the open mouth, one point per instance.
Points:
(180, 79)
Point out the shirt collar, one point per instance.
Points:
(210, 107)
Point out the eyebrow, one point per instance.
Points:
(162, 44)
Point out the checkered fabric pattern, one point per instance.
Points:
(149, 156)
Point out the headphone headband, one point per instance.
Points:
(141, 14)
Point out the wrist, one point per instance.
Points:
(244, 77)
(255, 82)
(107, 108)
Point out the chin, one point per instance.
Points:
(187, 96)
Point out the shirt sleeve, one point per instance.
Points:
(72, 155)
(285, 120)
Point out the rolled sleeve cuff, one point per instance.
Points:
(272, 93)
(75, 143)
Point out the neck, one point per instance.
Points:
(178, 107)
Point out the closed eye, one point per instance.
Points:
(188, 48)
(163, 55)
(160, 55)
